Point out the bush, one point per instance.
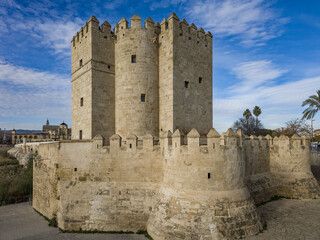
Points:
(15, 181)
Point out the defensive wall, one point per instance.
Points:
(180, 187)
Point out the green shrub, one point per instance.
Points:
(15, 181)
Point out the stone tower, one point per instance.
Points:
(92, 81)
(137, 91)
(138, 79)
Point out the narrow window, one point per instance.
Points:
(143, 97)
(80, 134)
(130, 145)
(189, 38)
(213, 146)
(133, 59)
(109, 67)
(81, 102)
(209, 175)
(200, 80)
(80, 63)
(186, 84)
(75, 169)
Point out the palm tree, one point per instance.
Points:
(314, 106)
(257, 111)
(247, 115)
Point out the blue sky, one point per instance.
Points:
(266, 53)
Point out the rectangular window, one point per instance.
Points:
(81, 102)
(186, 84)
(143, 97)
(209, 175)
(200, 79)
(133, 59)
(80, 134)
(80, 63)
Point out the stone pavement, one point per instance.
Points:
(290, 219)
(286, 219)
(21, 222)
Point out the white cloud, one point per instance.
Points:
(50, 30)
(29, 93)
(250, 21)
(255, 73)
(279, 103)
(58, 35)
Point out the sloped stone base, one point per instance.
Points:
(263, 187)
(189, 216)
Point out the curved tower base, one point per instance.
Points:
(203, 215)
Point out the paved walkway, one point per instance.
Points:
(289, 219)
(286, 220)
(21, 222)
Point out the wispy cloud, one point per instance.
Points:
(51, 30)
(112, 5)
(254, 74)
(251, 21)
(58, 35)
(29, 93)
(280, 102)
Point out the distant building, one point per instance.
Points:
(49, 133)
(5, 136)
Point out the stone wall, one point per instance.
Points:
(134, 79)
(185, 70)
(93, 68)
(45, 180)
(168, 86)
(177, 188)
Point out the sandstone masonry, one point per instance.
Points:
(154, 162)
(141, 79)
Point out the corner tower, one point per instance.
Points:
(185, 77)
(93, 66)
(136, 85)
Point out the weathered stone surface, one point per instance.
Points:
(184, 187)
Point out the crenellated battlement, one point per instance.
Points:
(91, 25)
(122, 27)
(184, 30)
(213, 140)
